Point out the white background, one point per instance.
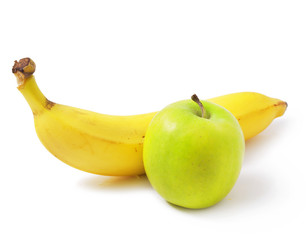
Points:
(129, 57)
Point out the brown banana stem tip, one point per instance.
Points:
(25, 66)
(23, 70)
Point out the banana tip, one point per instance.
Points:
(283, 108)
(25, 66)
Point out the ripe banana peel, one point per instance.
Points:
(112, 145)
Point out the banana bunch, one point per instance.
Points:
(112, 145)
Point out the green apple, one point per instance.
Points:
(193, 152)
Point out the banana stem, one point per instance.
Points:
(23, 71)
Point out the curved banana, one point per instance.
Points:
(112, 145)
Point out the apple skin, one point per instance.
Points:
(191, 161)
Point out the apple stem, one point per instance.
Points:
(195, 98)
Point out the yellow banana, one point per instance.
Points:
(112, 145)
